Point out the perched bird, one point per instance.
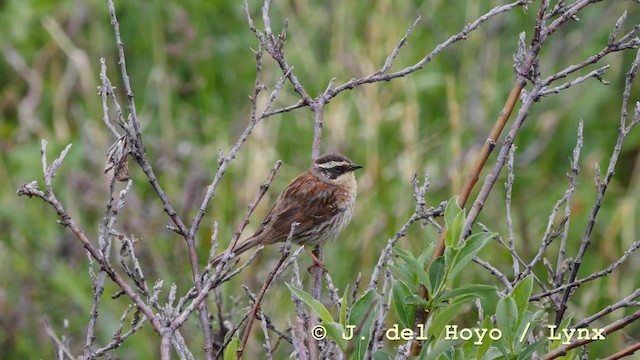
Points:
(320, 199)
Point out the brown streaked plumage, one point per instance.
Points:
(321, 199)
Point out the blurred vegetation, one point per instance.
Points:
(192, 68)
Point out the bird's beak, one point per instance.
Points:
(353, 167)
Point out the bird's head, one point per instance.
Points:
(335, 168)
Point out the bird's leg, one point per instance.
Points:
(316, 261)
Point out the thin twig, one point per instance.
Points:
(623, 131)
(494, 271)
(245, 221)
(105, 90)
(217, 278)
(626, 302)
(635, 246)
(265, 287)
(573, 178)
(419, 213)
(62, 349)
(118, 338)
(549, 234)
(462, 35)
(629, 350)
(525, 69)
(267, 341)
(31, 189)
(614, 326)
(509, 188)
(138, 152)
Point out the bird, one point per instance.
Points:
(320, 200)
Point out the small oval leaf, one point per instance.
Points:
(314, 304)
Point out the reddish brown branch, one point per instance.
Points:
(630, 350)
(523, 71)
(615, 326)
(472, 179)
(265, 287)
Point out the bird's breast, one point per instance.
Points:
(347, 198)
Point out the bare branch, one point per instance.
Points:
(419, 213)
(267, 341)
(105, 90)
(614, 326)
(494, 271)
(118, 338)
(623, 131)
(66, 221)
(396, 50)
(573, 178)
(509, 187)
(462, 35)
(597, 74)
(297, 105)
(635, 246)
(549, 235)
(138, 152)
(618, 27)
(628, 41)
(62, 350)
(236, 236)
(267, 283)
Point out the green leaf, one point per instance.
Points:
(396, 251)
(343, 306)
(231, 349)
(314, 304)
(451, 211)
(521, 294)
(458, 354)
(416, 300)
(437, 350)
(379, 355)
(335, 331)
(456, 229)
(495, 353)
(479, 290)
(506, 318)
(502, 349)
(471, 247)
(426, 254)
(529, 350)
(442, 317)
(401, 273)
(362, 306)
(470, 348)
(365, 306)
(527, 325)
(415, 269)
(436, 274)
(564, 324)
(450, 256)
(406, 312)
(463, 298)
(482, 349)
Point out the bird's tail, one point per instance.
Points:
(239, 249)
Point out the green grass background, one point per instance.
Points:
(192, 68)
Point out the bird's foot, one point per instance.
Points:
(316, 262)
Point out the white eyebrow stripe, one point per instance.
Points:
(333, 164)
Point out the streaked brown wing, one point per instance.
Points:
(306, 202)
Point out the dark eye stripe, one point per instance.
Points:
(334, 172)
